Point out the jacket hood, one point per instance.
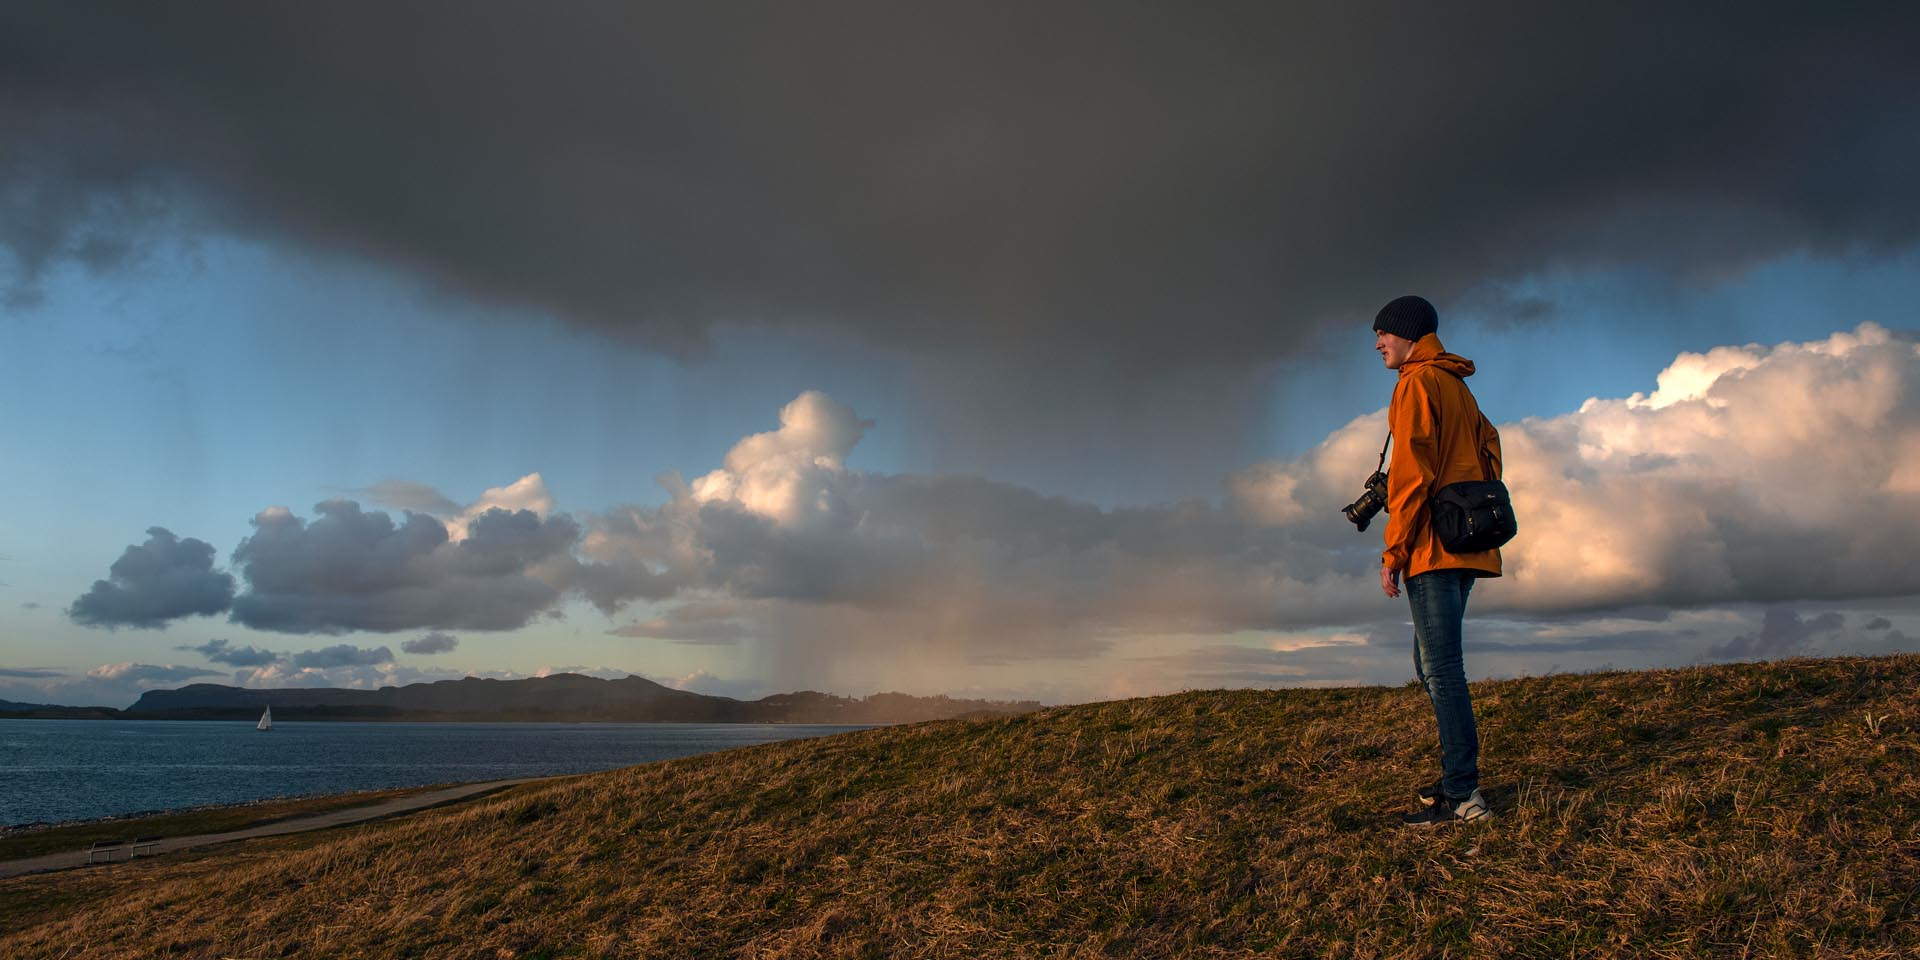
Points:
(1427, 351)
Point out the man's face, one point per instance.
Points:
(1392, 348)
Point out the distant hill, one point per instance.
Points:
(1738, 810)
(560, 697)
(14, 710)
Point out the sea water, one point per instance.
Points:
(57, 770)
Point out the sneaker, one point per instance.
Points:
(1430, 791)
(1445, 809)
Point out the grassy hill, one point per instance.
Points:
(1727, 811)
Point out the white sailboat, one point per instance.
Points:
(266, 720)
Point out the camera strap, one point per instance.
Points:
(1383, 453)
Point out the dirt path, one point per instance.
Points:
(318, 821)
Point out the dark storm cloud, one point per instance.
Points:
(352, 570)
(29, 673)
(1782, 633)
(1877, 623)
(1186, 185)
(439, 641)
(154, 582)
(343, 655)
(220, 651)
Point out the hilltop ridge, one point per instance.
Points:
(556, 697)
(1767, 809)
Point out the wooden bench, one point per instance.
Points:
(143, 843)
(105, 848)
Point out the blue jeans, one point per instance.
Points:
(1439, 601)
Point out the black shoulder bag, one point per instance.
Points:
(1472, 515)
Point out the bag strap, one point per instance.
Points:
(1479, 449)
(1486, 468)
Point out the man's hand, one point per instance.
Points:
(1390, 582)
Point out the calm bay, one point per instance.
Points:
(60, 770)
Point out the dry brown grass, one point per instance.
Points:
(1756, 810)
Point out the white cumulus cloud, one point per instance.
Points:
(791, 474)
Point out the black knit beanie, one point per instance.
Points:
(1409, 316)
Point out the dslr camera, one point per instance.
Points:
(1373, 501)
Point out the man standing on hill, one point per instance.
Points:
(1439, 437)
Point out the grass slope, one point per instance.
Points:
(1725, 811)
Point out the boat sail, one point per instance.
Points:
(266, 720)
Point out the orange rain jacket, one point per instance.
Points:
(1439, 437)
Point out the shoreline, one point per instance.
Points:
(11, 831)
(76, 845)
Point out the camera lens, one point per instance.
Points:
(1361, 511)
